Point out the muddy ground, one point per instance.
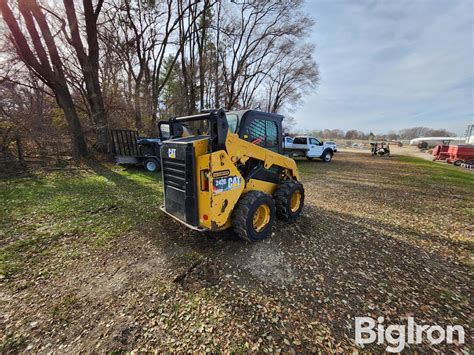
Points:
(378, 237)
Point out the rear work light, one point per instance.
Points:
(204, 180)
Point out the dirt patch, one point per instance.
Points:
(267, 262)
(201, 274)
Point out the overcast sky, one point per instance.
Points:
(391, 64)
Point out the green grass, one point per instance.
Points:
(438, 172)
(89, 207)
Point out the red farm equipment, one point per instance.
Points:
(459, 154)
(440, 152)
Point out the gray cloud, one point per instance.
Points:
(391, 65)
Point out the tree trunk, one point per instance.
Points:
(64, 100)
(201, 45)
(90, 65)
(137, 110)
(99, 116)
(216, 68)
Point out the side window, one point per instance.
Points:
(263, 133)
(300, 140)
(272, 136)
(232, 120)
(313, 141)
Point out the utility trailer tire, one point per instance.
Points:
(289, 200)
(152, 165)
(327, 156)
(253, 216)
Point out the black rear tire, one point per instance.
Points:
(244, 212)
(152, 165)
(283, 196)
(458, 162)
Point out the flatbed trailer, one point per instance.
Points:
(129, 148)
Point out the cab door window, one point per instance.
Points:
(263, 133)
(272, 135)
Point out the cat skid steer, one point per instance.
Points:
(226, 170)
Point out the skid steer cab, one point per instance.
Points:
(226, 170)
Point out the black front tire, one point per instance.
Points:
(242, 217)
(283, 196)
(152, 165)
(327, 156)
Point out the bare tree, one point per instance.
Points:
(415, 132)
(287, 81)
(44, 61)
(128, 62)
(254, 36)
(89, 62)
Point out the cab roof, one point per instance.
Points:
(251, 113)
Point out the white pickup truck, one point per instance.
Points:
(309, 147)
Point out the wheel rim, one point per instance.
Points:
(151, 166)
(295, 201)
(261, 218)
(328, 157)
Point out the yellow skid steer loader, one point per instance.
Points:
(230, 172)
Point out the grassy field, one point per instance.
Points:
(88, 207)
(89, 263)
(437, 172)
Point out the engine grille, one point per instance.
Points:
(174, 173)
(179, 179)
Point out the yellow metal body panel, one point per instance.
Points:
(241, 150)
(201, 147)
(215, 203)
(259, 185)
(225, 184)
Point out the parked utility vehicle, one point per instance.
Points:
(131, 149)
(229, 172)
(309, 147)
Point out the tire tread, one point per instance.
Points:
(241, 212)
(281, 197)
